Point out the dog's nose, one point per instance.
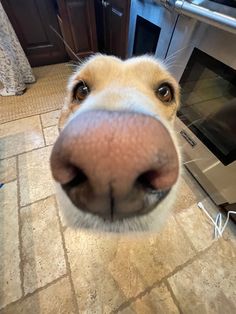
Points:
(115, 164)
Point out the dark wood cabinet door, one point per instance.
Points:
(77, 21)
(32, 21)
(117, 21)
(112, 26)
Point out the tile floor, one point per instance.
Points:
(46, 267)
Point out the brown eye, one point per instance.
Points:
(165, 92)
(80, 91)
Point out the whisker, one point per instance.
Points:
(197, 159)
(182, 146)
(192, 123)
(176, 52)
(62, 39)
(173, 62)
(174, 66)
(170, 62)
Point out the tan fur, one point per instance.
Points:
(139, 75)
(123, 85)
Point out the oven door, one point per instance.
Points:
(202, 58)
(151, 28)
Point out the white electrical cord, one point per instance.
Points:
(219, 229)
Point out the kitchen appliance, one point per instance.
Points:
(202, 52)
(150, 29)
(200, 48)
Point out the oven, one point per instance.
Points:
(150, 28)
(197, 39)
(202, 57)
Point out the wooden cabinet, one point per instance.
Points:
(31, 20)
(34, 21)
(112, 20)
(77, 22)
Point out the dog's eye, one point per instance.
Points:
(165, 92)
(80, 91)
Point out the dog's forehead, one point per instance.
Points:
(107, 68)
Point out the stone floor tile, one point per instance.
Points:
(197, 226)
(89, 256)
(50, 134)
(55, 299)
(190, 192)
(59, 205)
(50, 118)
(8, 169)
(158, 300)
(10, 284)
(108, 270)
(20, 136)
(35, 176)
(42, 250)
(141, 262)
(208, 285)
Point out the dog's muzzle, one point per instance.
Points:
(115, 164)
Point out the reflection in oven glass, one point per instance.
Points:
(209, 104)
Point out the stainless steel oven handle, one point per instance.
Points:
(197, 12)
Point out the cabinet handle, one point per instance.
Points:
(116, 12)
(105, 3)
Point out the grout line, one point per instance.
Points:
(19, 228)
(28, 295)
(10, 181)
(30, 116)
(47, 145)
(42, 130)
(49, 126)
(176, 302)
(28, 151)
(178, 268)
(66, 257)
(37, 201)
(190, 261)
(131, 300)
(46, 286)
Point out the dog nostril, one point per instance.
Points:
(147, 181)
(79, 178)
(147, 178)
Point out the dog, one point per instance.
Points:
(116, 161)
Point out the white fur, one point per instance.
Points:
(122, 98)
(150, 222)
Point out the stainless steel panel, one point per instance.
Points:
(157, 15)
(218, 180)
(206, 15)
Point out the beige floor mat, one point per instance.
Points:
(46, 94)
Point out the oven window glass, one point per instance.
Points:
(209, 104)
(146, 37)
